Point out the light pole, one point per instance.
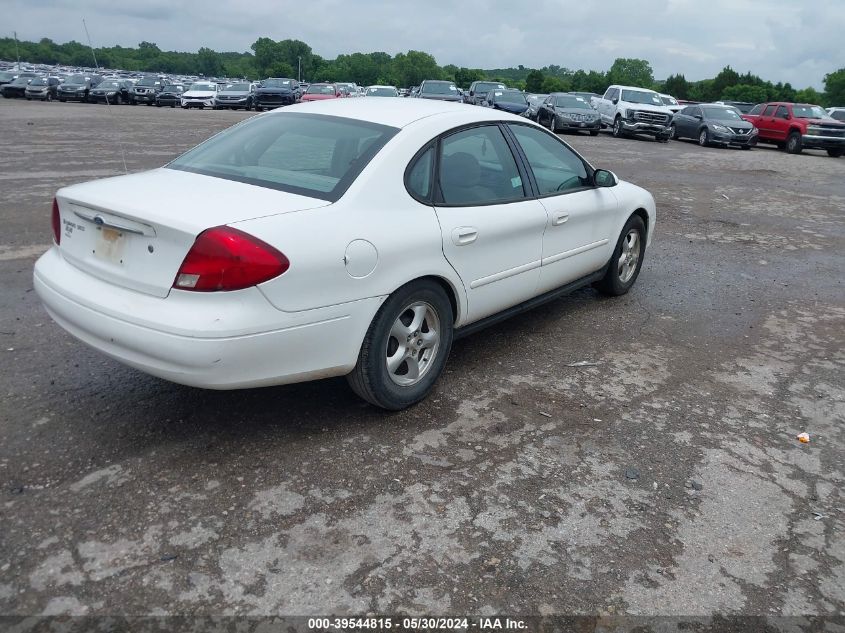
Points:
(299, 69)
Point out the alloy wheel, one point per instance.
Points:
(630, 256)
(412, 344)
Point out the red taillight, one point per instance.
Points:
(224, 258)
(57, 223)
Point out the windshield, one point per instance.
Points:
(641, 96)
(509, 96)
(728, 114)
(172, 88)
(439, 88)
(669, 101)
(204, 87)
(277, 83)
(4, 76)
(839, 115)
(148, 81)
(320, 89)
(809, 112)
(76, 79)
(487, 86)
(113, 85)
(571, 101)
(237, 88)
(307, 154)
(38, 81)
(382, 92)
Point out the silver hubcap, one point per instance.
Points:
(412, 344)
(630, 256)
(703, 138)
(672, 132)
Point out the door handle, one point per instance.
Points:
(464, 235)
(560, 218)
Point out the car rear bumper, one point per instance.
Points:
(208, 340)
(823, 142)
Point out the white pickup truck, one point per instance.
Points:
(631, 110)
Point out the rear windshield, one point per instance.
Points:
(308, 154)
(439, 88)
(277, 83)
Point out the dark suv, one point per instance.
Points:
(478, 91)
(146, 90)
(277, 91)
(170, 95)
(77, 88)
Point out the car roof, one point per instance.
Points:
(399, 112)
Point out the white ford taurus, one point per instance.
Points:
(351, 237)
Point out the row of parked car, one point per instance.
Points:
(625, 110)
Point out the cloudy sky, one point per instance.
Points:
(782, 40)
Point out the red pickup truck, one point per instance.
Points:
(798, 126)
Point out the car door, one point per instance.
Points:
(693, 122)
(492, 227)
(765, 122)
(576, 241)
(681, 121)
(780, 123)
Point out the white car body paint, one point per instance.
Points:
(346, 257)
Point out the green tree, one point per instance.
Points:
(726, 78)
(208, 62)
(808, 95)
(834, 87)
(465, 76)
(534, 81)
(677, 86)
(631, 72)
(409, 69)
(553, 84)
(744, 92)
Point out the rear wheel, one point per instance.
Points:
(794, 145)
(49, 96)
(405, 348)
(704, 137)
(624, 267)
(834, 153)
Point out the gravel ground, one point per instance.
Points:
(596, 456)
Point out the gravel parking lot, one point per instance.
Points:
(635, 455)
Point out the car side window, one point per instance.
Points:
(556, 168)
(770, 111)
(695, 112)
(478, 168)
(781, 112)
(419, 175)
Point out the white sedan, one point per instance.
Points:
(350, 237)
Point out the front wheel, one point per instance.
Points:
(617, 127)
(624, 267)
(406, 347)
(704, 137)
(834, 153)
(794, 144)
(258, 108)
(673, 132)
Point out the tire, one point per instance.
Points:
(118, 100)
(552, 124)
(594, 132)
(673, 132)
(259, 109)
(834, 153)
(426, 303)
(62, 100)
(617, 127)
(794, 144)
(49, 97)
(746, 147)
(703, 137)
(620, 276)
(158, 105)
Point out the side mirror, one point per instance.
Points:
(786, 116)
(698, 116)
(605, 178)
(614, 101)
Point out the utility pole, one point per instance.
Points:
(17, 52)
(299, 71)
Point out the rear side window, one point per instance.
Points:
(478, 168)
(419, 175)
(307, 154)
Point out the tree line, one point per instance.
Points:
(294, 58)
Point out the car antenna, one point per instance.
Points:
(108, 105)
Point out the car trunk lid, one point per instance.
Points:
(134, 231)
